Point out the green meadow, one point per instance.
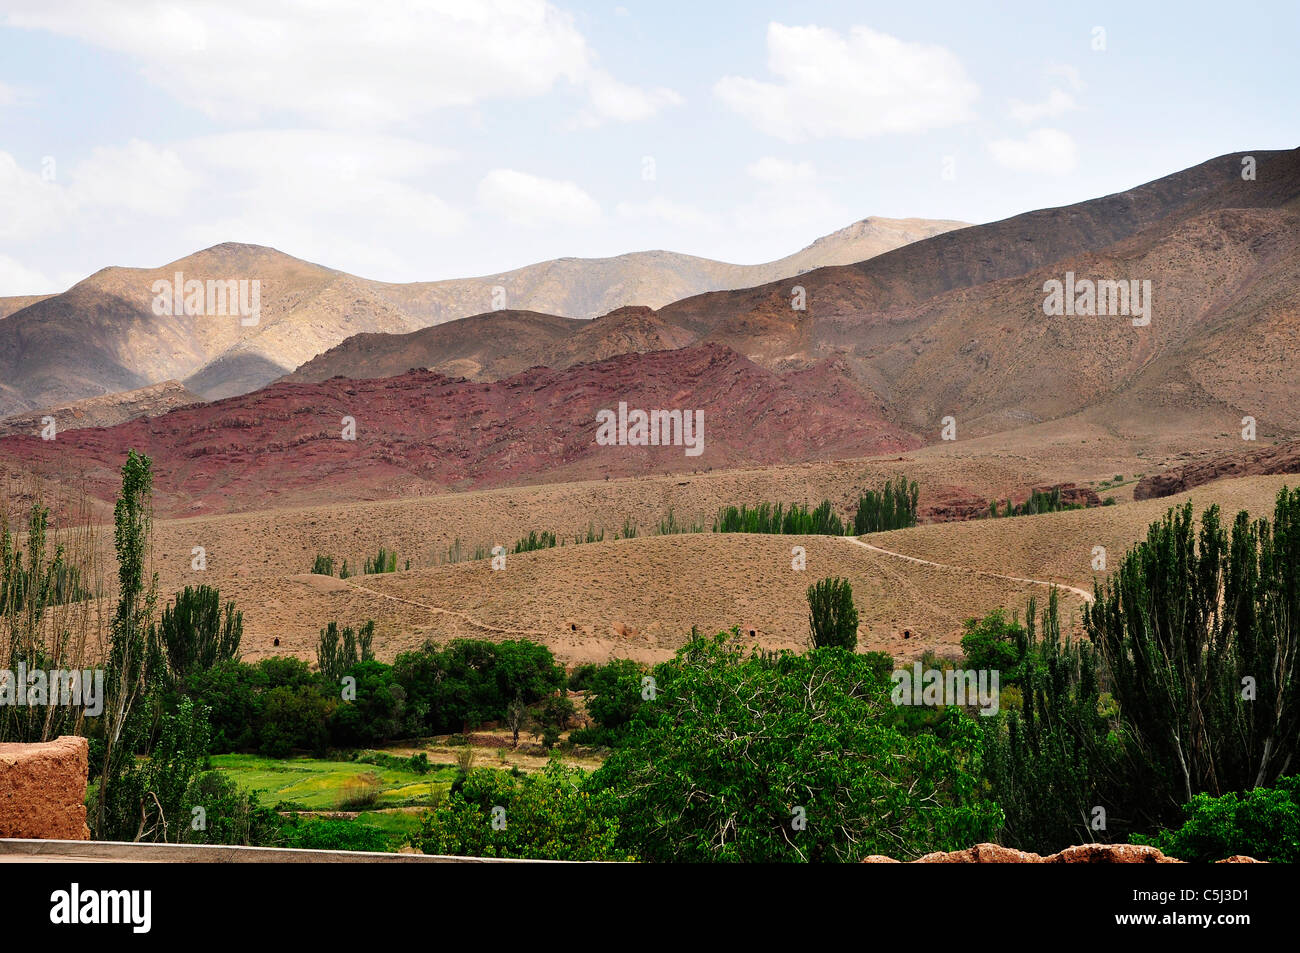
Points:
(315, 784)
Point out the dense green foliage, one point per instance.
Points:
(195, 633)
(892, 507)
(1187, 686)
(1040, 501)
(996, 644)
(758, 757)
(278, 705)
(769, 518)
(1263, 823)
(613, 696)
(549, 815)
(832, 616)
(337, 651)
(1060, 756)
(1200, 635)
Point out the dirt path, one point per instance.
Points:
(452, 612)
(1086, 596)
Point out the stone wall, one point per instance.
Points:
(1082, 854)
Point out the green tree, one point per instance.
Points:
(148, 798)
(195, 633)
(994, 643)
(130, 672)
(1200, 635)
(832, 616)
(613, 696)
(548, 815)
(892, 507)
(762, 757)
(1052, 763)
(337, 651)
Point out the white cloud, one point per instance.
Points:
(660, 209)
(1058, 103)
(17, 279)
(138, 177)
(611, 99)
(1049, 151)
(852, 87)
(788, 200)
(781, 171)
(8, 95)
(1067, 72)
(533, 201)
(348, 62)
(329, 197)
(31, 204)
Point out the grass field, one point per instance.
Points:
(313, 784)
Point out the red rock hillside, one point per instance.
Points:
(421, 432)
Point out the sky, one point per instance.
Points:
(415, 141)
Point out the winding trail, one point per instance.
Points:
(452, 612)
(1086, 596)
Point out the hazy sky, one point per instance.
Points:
(425, 140)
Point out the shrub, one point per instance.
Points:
(548, 815)
(360, 793)
(1263, 823)
(318, 833)
(229, 816)
(323, 565)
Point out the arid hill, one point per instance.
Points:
(639, 597)
(483, 347)
(422, 432)
(1259, 461)
(588, 287)
(955, 325)
(102, 335)
(104, 411)
(17, 302)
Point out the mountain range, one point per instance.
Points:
(945, 337)
(103, 336)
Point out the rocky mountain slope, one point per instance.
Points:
(422, 432)
(103, 336)
(955, 325)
